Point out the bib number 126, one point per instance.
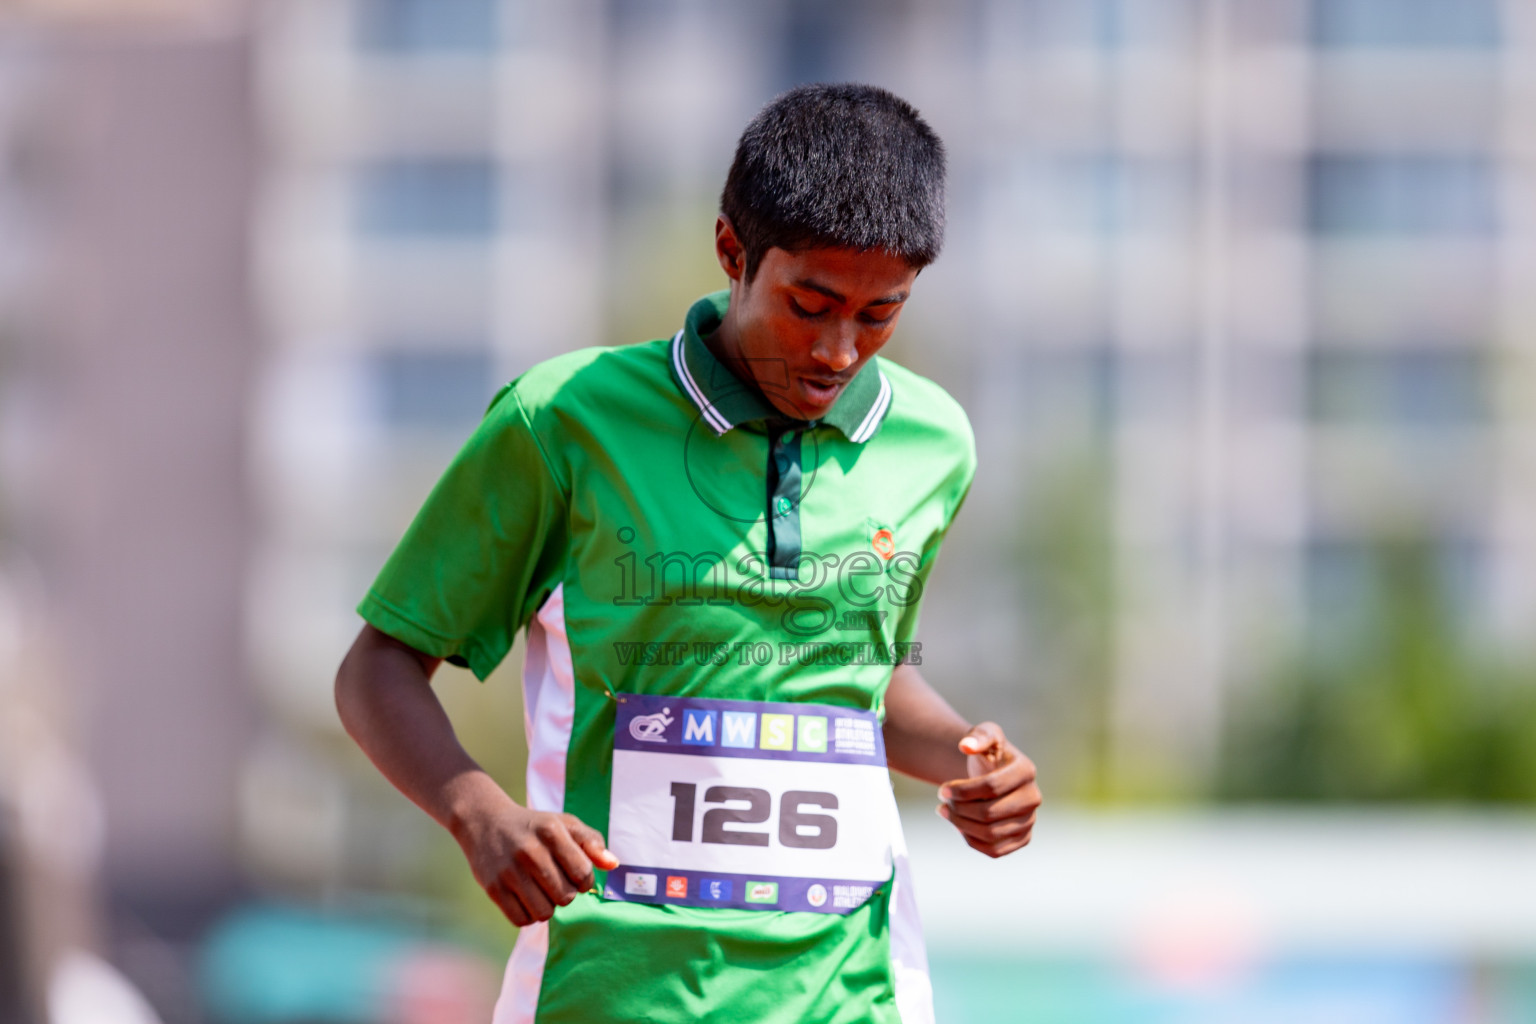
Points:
(798, 828)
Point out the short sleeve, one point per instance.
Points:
(965, 473)
(484, 551)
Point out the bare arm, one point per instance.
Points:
(987, 787)
(922, 732)
(527, 861)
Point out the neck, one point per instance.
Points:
(725, 343)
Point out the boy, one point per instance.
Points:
(717, 544)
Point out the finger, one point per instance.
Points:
(1020, 803)
(996, 850)
(993, 847)
(534, 862)
(1013, 773)
(530, 895)
(511, 907)
(989, 832)
(591, 842)
(570, 858)
(981, 738)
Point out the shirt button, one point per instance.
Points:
(782, 505)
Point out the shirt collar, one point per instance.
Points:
(725, 401)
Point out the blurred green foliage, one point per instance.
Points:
(1414, 706)
(1414, 710)
(1066, 560)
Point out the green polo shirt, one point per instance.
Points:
(659, 528)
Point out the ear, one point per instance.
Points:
(729, 251)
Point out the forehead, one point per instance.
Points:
(853, 273)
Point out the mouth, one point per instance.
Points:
(822, 391)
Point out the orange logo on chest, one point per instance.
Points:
(883, 543)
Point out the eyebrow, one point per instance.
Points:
(822, 289)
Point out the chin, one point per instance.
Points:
(802, 408)
(815, 407)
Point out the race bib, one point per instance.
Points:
(748, 804)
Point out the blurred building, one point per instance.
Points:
(128, 151)
(1266, 267)
(1232, 292)
(433, 209)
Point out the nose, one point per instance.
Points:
(836, 347)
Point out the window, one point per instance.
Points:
(428, 196)
(822, 40)
(1401, 195)
(1359, 588)
(423, 26)
(1340, 589)
(1090, 194)
(1405, 387)
(427, 389)
(1405, 23)
(1108, 24)
(1110, 194)
(1078, 386)
(629, 16)
(1097, 386)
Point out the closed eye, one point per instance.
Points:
(804, 313)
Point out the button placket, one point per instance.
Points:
(784, 479)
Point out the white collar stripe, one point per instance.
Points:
(876, 411)
(713, 415)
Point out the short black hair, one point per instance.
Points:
(838, 166)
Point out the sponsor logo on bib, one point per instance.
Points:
(698, 727)
(762, 892)
(636, 884)
(677, 887)
(651, 728)
(813, 734)
(816, 895)
(778, 732)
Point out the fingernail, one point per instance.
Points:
(945, 794)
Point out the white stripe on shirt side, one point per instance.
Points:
(909, 955)
(549, 706)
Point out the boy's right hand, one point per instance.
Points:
(528, 862)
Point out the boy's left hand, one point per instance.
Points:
(994, 808)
